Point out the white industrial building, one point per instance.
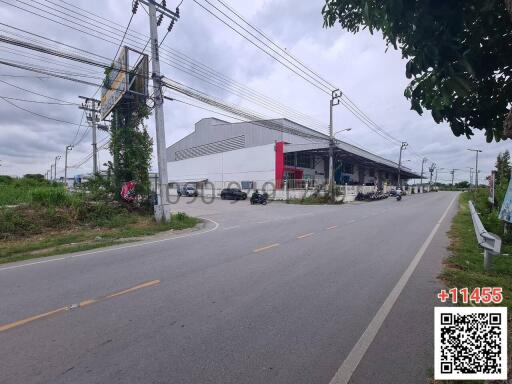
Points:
(278, 154)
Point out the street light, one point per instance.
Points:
(56, 158)
(476, 166)
(342, 130)
(68, 148)
(403, 145)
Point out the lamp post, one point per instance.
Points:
(403, 145)
(423, 161)
(55, 167)
(335, 100)
(476, 165)
(431, 170)
(470, 176)
(68, 148)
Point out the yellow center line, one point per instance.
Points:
(140, 286)
(305, 235)
(19, 323)
(82, 304)
(267, 247)
(332, 227)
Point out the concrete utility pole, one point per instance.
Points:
(55, 167)
(403, 146)
(431, 170)
(453, 174)
(68, 148)
(92, 108)
(438, 169)
(162, 209)
(476, 165)
(423, 161)
(335, 100)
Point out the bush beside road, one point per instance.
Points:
(38, 218)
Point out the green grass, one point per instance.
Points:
(38, 218)
(464, 268)
(119, 230)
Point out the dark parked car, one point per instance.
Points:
(187, 190)
(232, 194)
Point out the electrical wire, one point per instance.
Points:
(37, 114)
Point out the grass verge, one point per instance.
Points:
(464, 268)
(119, 229)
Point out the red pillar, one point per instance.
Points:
(279, 148)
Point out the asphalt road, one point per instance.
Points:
(262, 294)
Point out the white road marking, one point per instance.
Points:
(351, 221)
(231, 227)
(113, 249)
(355, 356)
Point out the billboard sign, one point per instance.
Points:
(506, 207)
(140, 79)
(116, 84)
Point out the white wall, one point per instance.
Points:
(248, 164)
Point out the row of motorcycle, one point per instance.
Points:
(371, 196)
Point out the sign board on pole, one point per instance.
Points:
(506, 207)
(139, 83)
(116, 84)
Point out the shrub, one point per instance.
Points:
(50, 197)
(13, 222)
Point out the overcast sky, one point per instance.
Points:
(357, 64)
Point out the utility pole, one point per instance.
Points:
(453, 174)
(431, 169)
(55, 167)
(68, 148)
(162, 209)
(403, 146)
(476, 165)
(423, 161)
(335, 100)
(92, 108)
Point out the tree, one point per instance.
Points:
(130, 147)
(458, 55)
(462, 184)
(130, 144)
(503, 168)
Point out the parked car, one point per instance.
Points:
(187, 190)
(232, 194)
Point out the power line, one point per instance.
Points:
(37, 114)
(67, 104)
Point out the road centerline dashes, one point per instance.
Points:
(305, 235)
(84, 303)
(266, 247)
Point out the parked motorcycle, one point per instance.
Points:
(259, 198)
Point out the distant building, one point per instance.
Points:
(250, 154)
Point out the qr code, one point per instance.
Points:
(470, 343)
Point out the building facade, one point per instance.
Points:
(276, 153)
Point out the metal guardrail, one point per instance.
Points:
(490, 242)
